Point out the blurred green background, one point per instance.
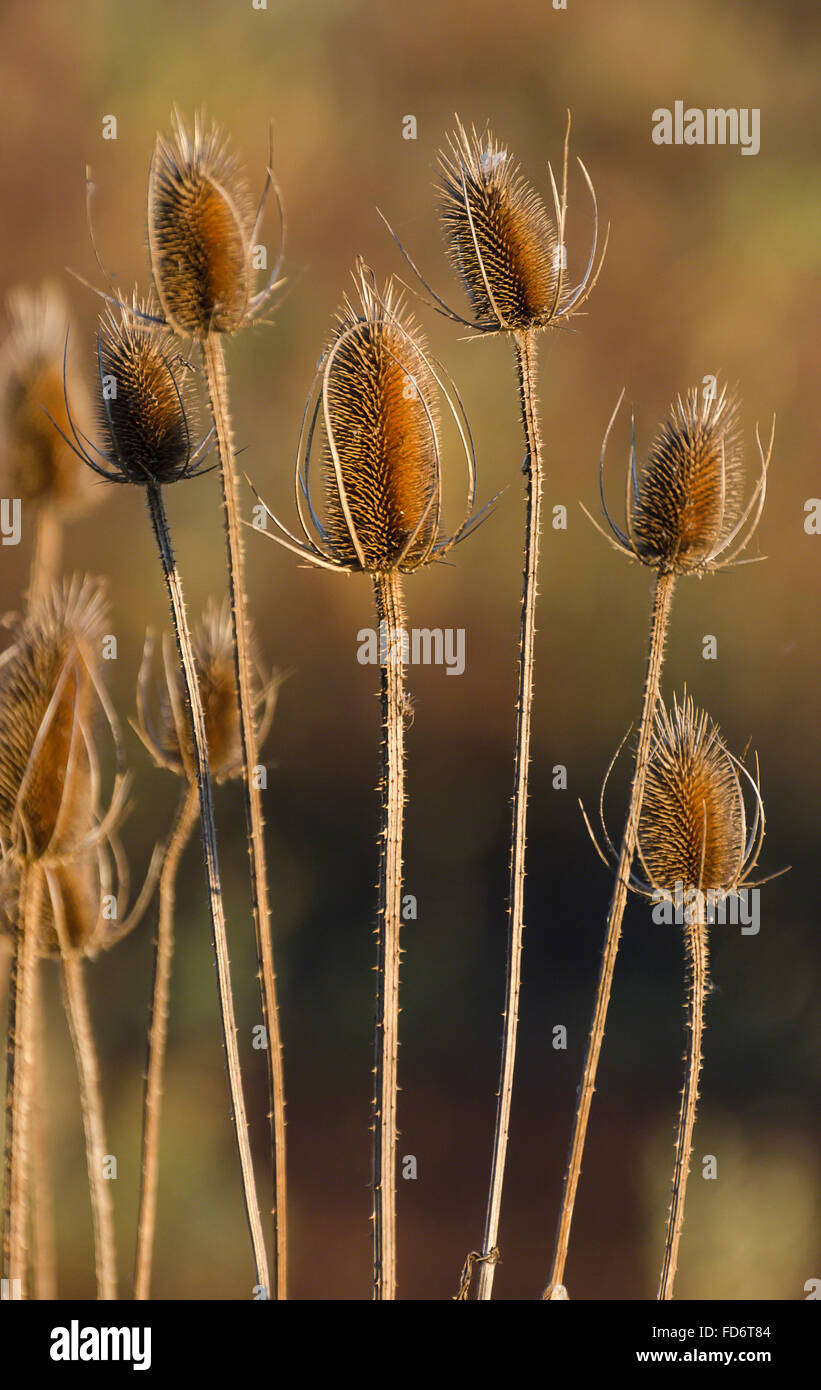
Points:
(713, 267)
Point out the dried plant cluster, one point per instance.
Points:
(382, 425)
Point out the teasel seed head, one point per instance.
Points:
(376, 404)
(685, 513)
(498, 233)
(145, 403)
(507, 249)
(51, 698)
(166, 734)
(37, 464)
(201, 232)
(694, 830)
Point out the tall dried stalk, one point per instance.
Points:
(379, 392)
(88, 1073)
(684, 516)
(525, 348)
(218, 399)
(390, 613)
(22, 995)
(662, 599)
(697, 959)
(220, 941)
(184, 823)
(43, 1251)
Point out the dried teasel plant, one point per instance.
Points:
(202, 234)
(685, 515)
(696, 845)
(37, 466)
(509, 253)
(167, 737)
(146, 429)
(61, 861)
(375, 406)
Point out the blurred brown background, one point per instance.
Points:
(713, 268)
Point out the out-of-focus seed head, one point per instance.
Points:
(499, 235)
(692, 830)
(168, 737)
(48, 702)
(200, 223)
(689, 495)
(381, 454)
(146, 403)
(36, 463)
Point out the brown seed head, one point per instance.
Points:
(146, 403)
(689, 495)
(37, 463)
(692, 829)
(169, 740)
(200, 222)
(498, 233)
(381, 457)
(48, 700)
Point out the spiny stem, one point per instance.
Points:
(157, 1034)
(209, 841)
(390, 612)
(525, 347)
(48, 545)
(44, 1258)
(662, 599)
(218, 397)
(22, 993)
(91, 1101)
(696, 938)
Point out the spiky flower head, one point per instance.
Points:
(167, 735)
(145, 403)
(693, 828)
(201, 231)
(50, 697)
(686, 508)
(37, 464)
(499, 236)
(381, 446)
(375, 405)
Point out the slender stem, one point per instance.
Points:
(390, 612)
(22, 994)
(218, 397)
(184, 823)
(48, 546)
(209, 842)
(662, 599)
(697, 953)
(44, 1258)
(525, 347)
(88, 1073)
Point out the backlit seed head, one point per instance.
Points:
(381, 453)
(692, 829)
(686, 513)
(200, 224)
(48, 703)
(36, 463)
(168, 737)
(146, 404)
(498, 234)
(689, 496)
